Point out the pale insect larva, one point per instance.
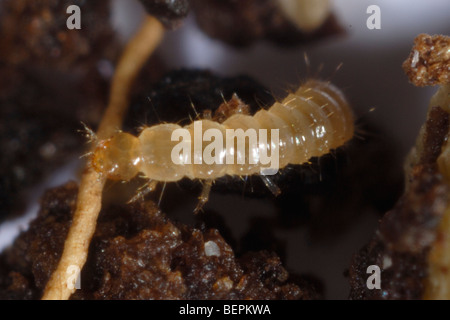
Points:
(311, 121)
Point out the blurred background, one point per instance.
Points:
(371, 77)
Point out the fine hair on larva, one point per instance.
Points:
(311, 121)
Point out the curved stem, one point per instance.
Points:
(84, 222)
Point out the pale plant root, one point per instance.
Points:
(84, 222)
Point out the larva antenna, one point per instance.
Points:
(90, 135)
(91, 138)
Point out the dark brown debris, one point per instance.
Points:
(169, 12)
(138, 253)
(434, 139)
(406, 233)
(241, 23)
(237, 23)
(229, 108)
(35, 253)
(35, 33)
(429, 61)
(182, 95)
(401, 245)
(52, 79)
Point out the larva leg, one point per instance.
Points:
(204, 196)
(89, 134)
(271, 185)
(144, 190)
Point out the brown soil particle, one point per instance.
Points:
(36, 252)
(52, 79)
(240, 23)
(406, 233)
(138, 253)
(429, 61)
(401, 246)
(35, 32)
(169, 12)
(433, 140)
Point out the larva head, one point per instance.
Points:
(119, 157)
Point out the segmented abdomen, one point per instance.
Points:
(311, 121)
(315, 120)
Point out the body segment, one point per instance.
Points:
(310, 122)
